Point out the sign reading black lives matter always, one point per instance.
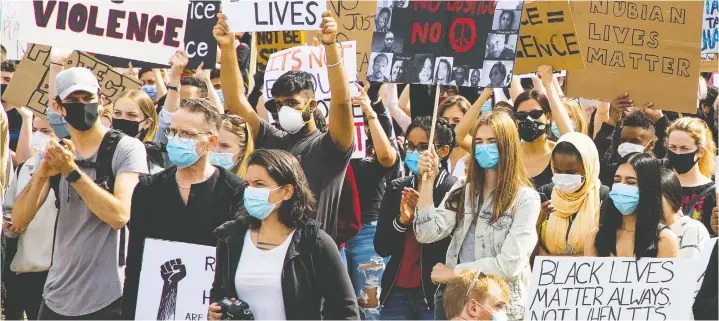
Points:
(463, 43)
(565, 288)
(200, 44)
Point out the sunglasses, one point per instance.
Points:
(234, 119)
(535, 114)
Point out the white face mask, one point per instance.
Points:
(567, 183)
(291, 119)
(39, 141)
(627, 148)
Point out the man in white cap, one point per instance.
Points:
(84, 281)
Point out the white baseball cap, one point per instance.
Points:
(76, 79)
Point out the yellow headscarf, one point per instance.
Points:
(584, 202)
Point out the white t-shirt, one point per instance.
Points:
(459, 168)
(691, 234)
(259, 279)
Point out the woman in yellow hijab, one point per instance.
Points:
(570, 208)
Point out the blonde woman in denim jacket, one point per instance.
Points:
(491, 215)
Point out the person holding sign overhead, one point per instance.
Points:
(323, 156)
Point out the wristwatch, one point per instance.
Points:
(371, 115)
(171, 87)
(73, 176)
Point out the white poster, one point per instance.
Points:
(269, 15)
(175, 281)
(10, 29)
(146, 30)
(610, 289)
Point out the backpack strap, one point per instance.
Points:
(699, 197)
(105, 177)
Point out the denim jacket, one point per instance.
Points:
(501, 248)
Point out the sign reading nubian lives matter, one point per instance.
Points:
(642, 48)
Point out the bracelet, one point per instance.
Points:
(54, 63)
(328, 43)
(337, 63)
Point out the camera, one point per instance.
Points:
(237, 310)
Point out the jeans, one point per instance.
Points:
(110, 312)
(406, 304)
(12, 300)
(29, 296)
(365, 268)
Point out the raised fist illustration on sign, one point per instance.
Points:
(173, 271)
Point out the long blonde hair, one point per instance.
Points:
(4, 153)
(511, 168)
(578, 115)
(702, 135)
(147, 107)
(237, 126)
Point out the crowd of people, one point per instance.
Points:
(441, 227)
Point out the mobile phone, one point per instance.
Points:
(543, 198)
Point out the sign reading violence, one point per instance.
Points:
(564, 288)
(463, 43)
(144, 30)
(639, 48)
(269, 42)
(547, 37)
(710, 32)
(29, 85)
(273, 15)
(175, 281)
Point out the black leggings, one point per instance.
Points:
(110, 312)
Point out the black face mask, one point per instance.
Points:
(681, 163)
(81, 116)
(130, 128)
(530, 130)
(2, 89)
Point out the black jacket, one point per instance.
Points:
(390, 236)
(312, 271)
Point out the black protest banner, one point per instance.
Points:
(445, 42)
(200, 44)
(269, 42)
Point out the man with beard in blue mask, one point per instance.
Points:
(323, 156)
(84, 281)
(185, 202)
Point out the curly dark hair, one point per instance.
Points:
(294, 82)
(195, 82)
(442, 133)
(285, 170)
(639, 119)
(8, 66)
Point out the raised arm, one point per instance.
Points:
(404, 102)
(392, 102)
(559, 111)
(24, 150)
(342, 127)
(178, 62)
(233, 88)
(160, 86)
(32, 196)
(462, 130)
(386, 156)
(515, 88)
(204, 75)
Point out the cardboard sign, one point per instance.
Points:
(583, 288)
(269, 42)
(355, 20)
(547, 37)
(273, 15)
(640, 48)
(190, 267)
(200, 44)
(463, 43)
(144, 30)
(710, 33)
(10, 29)
(709, 63)
(29, 85)
(557, 73)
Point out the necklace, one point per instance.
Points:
(180, 186)
(627, 230)
(264, 245)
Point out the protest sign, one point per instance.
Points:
(191, 267)
(639, 48)
(200, 44)
(709, 63)
(10, 30)
(273, 15)
(29, 85)
(269, 42)
(710, 33)
(583, 288)
(557, 73)
(144, 30)
(355, 19)
(547, 37)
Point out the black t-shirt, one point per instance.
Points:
(324, 165)
(371, 178)
(14, 124)
(544, 178)
(702, 209)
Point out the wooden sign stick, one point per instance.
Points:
(434, 123)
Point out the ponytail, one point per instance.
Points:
(700, 132)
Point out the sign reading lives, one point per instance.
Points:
(136, 29)
(640, 48)
(463, 43)
(199, 43)
(547, 37)
(610, 289)
(29, 86)
(273, 15)
(710, 33)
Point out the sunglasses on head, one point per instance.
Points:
(234, 119)
(535, 114)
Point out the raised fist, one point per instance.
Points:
(173, 271)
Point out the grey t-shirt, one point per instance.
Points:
(85, 275)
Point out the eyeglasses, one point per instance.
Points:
(183, 136)
(420, 148)
(535, 114)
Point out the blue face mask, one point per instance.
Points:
(150, 90)
(487, 155)
(222, 159)
(486, 108)
(257, 202)
(182, 153)
(555, 130)
(58, 124)
(625, 198)
(411, 160)
(219, 94)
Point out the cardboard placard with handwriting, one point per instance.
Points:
(547, 37)
(709, 63)
(640, 48)
(29, 86)
(269, 42)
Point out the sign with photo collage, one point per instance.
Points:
(462, 43)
